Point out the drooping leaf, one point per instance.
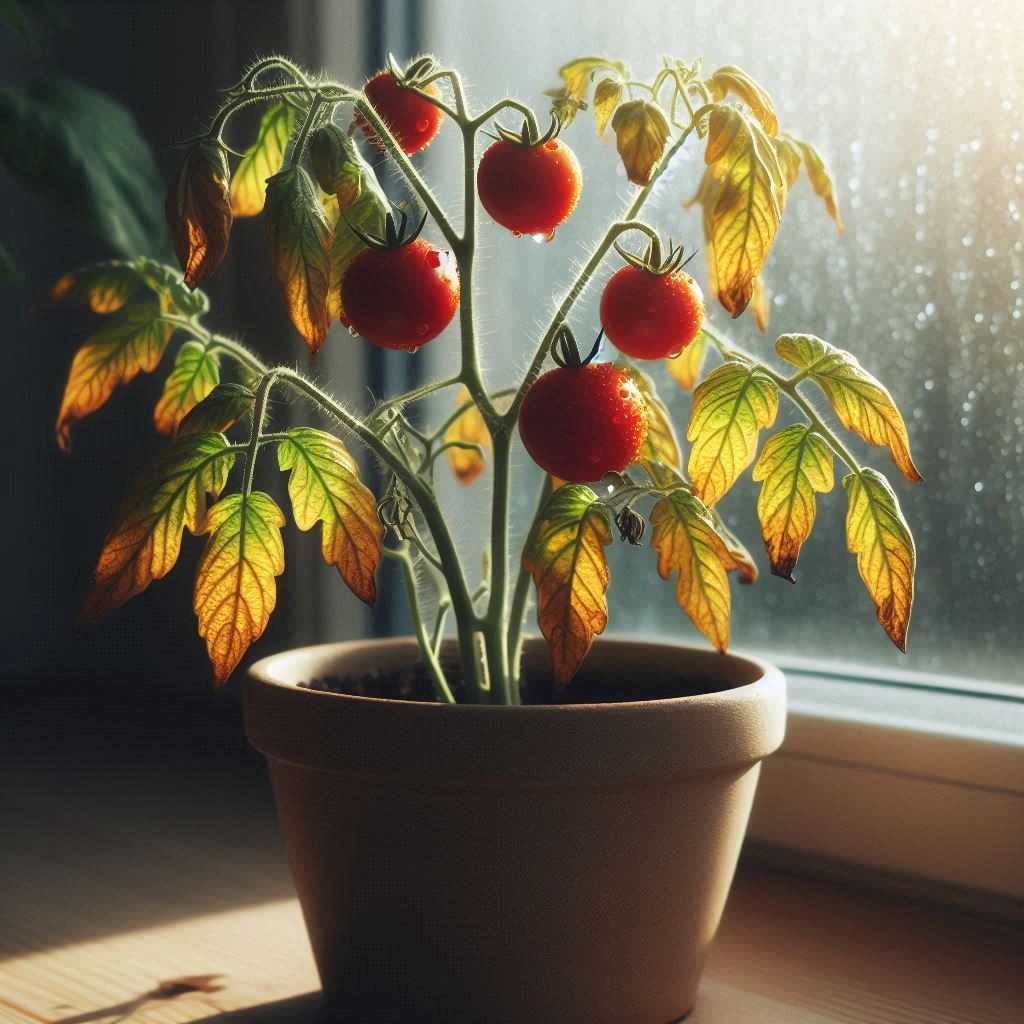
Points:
(132, 340)
(199, 211)
(861, 402)
(103, 287)
(300, 244)
(83, 151)
(144, 543)
(684, 535)
(577, 74)
(196, 373)
(793, 464)
(740, 559)
(641, 131)
(790, 160)
(730, 408)
(222, 408)
(169, 285)
(338, 166)
(685, 368)
(262, 160)
(878, 535)
(565, 556)
(759, 304)
(731, 79)
(661, 444)
(235, 589)
(469, 428)
(324, 487)
(606, 99)
(821, 180)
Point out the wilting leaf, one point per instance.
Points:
(324, 487)
(862, 403)
(132, 340)
(685, 368)
(684, 535)
(222, 408)
(742, 194)
(83, 150)
(300, 244)
(641, 131)
(878, 535)
(565, 556)
(793, 464)
(196, 373)
(661, 444)
(729, 409)
(262, 160)
(103, 287)
(606, 99)
(759, 304)
(169, 285)
(740, 559)
(469, 428)
(338, 166)
(144, 543)
(731, 79)
(235, 589)
(790, 160)
(821, 180)
(576, 75)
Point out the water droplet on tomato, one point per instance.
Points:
(617, 420)
(675, 355)
(517, 234)
(433, 258)
(410, 348)
(540, 238)
(422, 124)
(352, 331)
(422, 329)
(552, 144)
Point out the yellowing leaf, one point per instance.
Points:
(195, 374)
(300, 242)
(469, 428)
(103, 287)
(790, 160)
(759, 304)
(132, 340)
(742, 195)
(878, 535)
(641, 131)
(685, 368)
(144, 543)
(661, 444)
(687, 542)
(821, 180)
(606, 99)
(731, 79)
(862, 403)
(793, 464)
(262, 160)
(565, 556)
(740, 559)
(235, 589)
(729, 409)
(224, 406)
(324, 487)
(577, 74)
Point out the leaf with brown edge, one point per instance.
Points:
(131, 341)
(606, 99)
(103, 287)
(222, 408)
(641, 131)
(685, 368)
(196, 373)
(821, 180)
(144, 543)
(759, 304)
(565, 556)
(730, 408)
(661, 444)
(684, 536)
(878, 535)
(861, 402)
(731, 79)
(793, 464)
(235, 589)
(468, 428)
(199, 211)
(324, 487)
(262, 160)
(300, 244)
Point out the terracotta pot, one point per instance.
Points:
(526, 865)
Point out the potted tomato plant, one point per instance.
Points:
(483, 826)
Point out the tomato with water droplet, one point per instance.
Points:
(413, 120)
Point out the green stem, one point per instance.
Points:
(259, 414)
(496, 617)
(507, 104)
(307, 126)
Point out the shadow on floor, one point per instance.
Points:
(299, 1010)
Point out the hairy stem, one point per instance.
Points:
(259, 414)
(521, 592)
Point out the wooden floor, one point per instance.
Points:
(142, 881)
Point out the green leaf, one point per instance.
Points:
(324, 487)
(262, 160)
(606, 99)
(861, 402)
(641, 131)
(83, 150)
(196, 373)
(169, 284)
(222, 408)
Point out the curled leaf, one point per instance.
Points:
(195, 374)
(222, 408)
(685, 368)
(759, 304)
(606, 99)
(788, 152)
(821, 180)
(262, 160)
(641, 131)
(468, 428)
(337, 164)
(577, 74)
(731, 79)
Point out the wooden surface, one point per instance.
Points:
(142, 881)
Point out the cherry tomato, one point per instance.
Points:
(413, 120)
(401, 297)
(529, 189)
(580, 422)
(648, 315)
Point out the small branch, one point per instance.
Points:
(507, 104)
(522, 592)
(259, 414)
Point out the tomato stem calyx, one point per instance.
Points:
(566, 353)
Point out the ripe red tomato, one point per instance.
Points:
(401, 297)
(529, 189)
(648, 315)
(413, 120)
(580, 422)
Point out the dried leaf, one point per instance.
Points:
(606, 99)
(469, 428)
(222, 408)
(196, 373)
(731, 79)
(262, 160)
(641, 131)
(821, 180)
(685, 368)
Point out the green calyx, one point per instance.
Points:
(651, 261)
(566, 353)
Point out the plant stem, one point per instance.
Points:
(259, 414)
(522, 592)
